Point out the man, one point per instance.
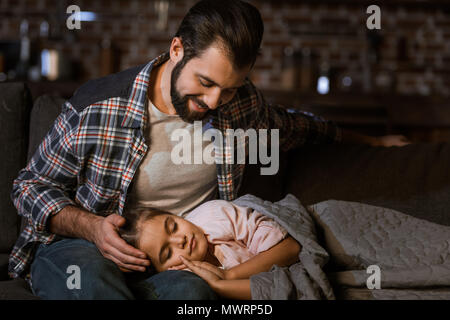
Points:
(111, 145)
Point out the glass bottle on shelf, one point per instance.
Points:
(44, 50)
(323, 82)
(384, 80)
(288, 72)
(306, 73)
(24, 60)
(37, 71)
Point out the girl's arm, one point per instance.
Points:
(264, 237)
(233, 289)
(282, 254)
(235, 284)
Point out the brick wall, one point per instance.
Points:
(415, 46)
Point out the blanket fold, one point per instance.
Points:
(303, 280)
(413, 255)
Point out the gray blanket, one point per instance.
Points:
(407, 258)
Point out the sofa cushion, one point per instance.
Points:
(15, 107)
(414, 179)
(17, 289)
(4, 257)
(46, 109)
(267, 187)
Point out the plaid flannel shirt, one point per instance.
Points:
(91, 153)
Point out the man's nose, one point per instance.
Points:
(213, 98)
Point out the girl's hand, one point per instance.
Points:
(208, 272)
(231, 289)
(178, 267)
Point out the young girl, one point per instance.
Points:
(221, 242)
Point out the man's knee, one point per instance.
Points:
(181, 285)
(68, 271)
(195, 288)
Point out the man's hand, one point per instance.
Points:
(113, 247)
(76, 222)
(391, 141)
(352, 137)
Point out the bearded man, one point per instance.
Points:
(111, 147)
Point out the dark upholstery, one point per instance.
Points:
(4, 266)
(45, 110)
(413, 179)
(268, 187)
(20, 136)
(17, 289)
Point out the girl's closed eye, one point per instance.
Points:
(165, 254)
(172, 226)
(172, 229)
(169, 254)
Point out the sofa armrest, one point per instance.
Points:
(15, 108)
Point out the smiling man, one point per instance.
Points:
(198, 84)
(110, 147)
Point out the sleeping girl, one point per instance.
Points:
(219, 241)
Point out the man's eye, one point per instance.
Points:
(206, 85)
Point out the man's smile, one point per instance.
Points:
(198, 107)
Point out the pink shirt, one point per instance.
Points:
(237, 233)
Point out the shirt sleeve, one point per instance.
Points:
(42, 188)
(296, 128)
(258, 232)
(223, 221)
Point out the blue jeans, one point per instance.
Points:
(100, 278)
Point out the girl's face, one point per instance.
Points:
(165, 237)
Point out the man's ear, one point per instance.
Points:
(176, 50)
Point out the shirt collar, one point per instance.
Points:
(135, 113)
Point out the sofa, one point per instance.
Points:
(414, 179)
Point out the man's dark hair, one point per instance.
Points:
(233, 24)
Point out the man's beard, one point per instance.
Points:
(180, 103)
